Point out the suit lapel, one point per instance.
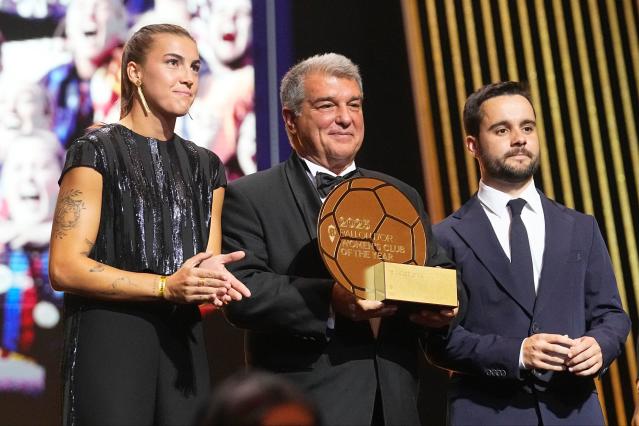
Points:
(559, 232)
(306, 197)
(477, 231)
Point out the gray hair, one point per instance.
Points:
(292, 91)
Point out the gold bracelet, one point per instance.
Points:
(161, 286)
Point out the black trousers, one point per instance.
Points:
(378, 410)
(134, 365)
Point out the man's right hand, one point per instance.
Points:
(546, 351)
(346, 304)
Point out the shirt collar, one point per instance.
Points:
(496, 201)
(312, 169)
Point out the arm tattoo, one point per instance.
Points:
(89, 244)
(67, 212)
(122, 281)
(98, 267)
(116, 286)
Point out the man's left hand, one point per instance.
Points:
(434, 319)
(585, 357)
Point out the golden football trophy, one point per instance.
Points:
(373, 243)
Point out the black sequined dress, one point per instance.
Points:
(140, 362)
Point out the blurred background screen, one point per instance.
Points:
(59, 73)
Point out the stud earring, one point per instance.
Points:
(147, 110)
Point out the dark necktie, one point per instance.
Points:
(520, 257)
(325, 182)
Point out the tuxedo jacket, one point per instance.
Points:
(577, 295)
(272, 216)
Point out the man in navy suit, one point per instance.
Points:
(543, 315)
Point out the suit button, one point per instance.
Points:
(535, 328)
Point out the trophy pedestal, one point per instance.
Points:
(411, 283)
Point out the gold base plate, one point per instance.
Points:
(411, 283)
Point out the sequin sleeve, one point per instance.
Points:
(83, 153)
(218, 172)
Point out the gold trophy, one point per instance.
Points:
(373, 243)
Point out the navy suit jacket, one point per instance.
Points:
(577, 295)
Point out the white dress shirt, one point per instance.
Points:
(311, 170)
(495, 204)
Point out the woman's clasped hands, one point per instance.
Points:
(204, 279)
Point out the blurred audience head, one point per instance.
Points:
(24, 107)
(226, 34)
(93, 29)
(31, 107)
(258, 398)
(29, 178)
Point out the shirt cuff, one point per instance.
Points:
(521, 356)
(330, 322)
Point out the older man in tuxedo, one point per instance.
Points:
(300, 322)
(543, 315)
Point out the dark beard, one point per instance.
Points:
(498, 169)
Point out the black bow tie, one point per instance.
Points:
(325, 182)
